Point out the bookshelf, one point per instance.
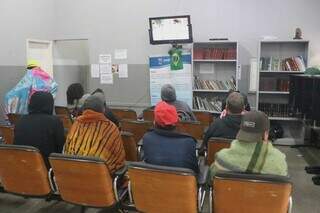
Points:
(215, 71)
(277, 61)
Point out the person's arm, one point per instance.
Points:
(211, 132)
(111, 117)
(60, 137)
(194, 159)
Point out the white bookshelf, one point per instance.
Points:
(214, 69)
(273, 86)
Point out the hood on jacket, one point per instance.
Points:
(233, 121)
(41, 102)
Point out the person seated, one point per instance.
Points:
(40, 128)
(247, 107)
(228, 126)
(107, 111)
(166, 147)
(168, 94)
(75, 99)
(92, 134)
(35, 79)
(251, 151)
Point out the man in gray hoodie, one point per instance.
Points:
(168, 94)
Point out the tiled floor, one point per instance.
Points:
(305, 195)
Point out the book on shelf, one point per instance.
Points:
(287, 64)
(214, 84)
(214, 53)
(274, 84)
(207, 104)
(275, 109)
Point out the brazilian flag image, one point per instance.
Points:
(176, 59)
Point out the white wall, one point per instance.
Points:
(20, 20)
(124, 23)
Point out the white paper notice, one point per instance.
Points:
(106, 78)
(105, 59)
(105, 69)
(123, 70)
(95, 71)
(120, 54)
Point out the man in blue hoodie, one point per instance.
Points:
(166, 147)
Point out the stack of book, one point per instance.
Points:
(214, 84)
(275, 110)
(287, 64)
(273, 84)
(215, 53)
(207, 104)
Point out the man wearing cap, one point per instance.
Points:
(166, 147)
(168, 94)
(251, 152)
(92, 134)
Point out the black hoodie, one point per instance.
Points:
(226, 127)
(40, 128)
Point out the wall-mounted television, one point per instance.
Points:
(170, 30)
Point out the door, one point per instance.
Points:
(41, 51)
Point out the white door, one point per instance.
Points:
(41, 51)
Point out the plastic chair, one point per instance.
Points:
(161, 189)
(86, 181)
(214, 146)
(195, 129)
(137, 128)
(205, 118)
(130, 146)
(23, 171)
(124, 114)
(148, 115)
(250, 193)
(8, 134)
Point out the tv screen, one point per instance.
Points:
(168, 30)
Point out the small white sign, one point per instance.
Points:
(105, 59)
(105, 69)
(120, 54)
(106, 79)
(123, 70)
(95, 71)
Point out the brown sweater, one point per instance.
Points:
(92, 134)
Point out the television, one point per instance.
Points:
(170, 30)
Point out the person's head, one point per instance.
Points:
(74, 92)
(93, 103)
(100, 94)
(98, 90)
(41, 102)
(254, 127)
(32, 64)
(165, 116)
(168, 93)
(234, 103)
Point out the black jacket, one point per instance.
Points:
(169, 148)
(108, 114)
(40, 128)
(226, 127)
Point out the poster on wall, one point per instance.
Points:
(161, 73)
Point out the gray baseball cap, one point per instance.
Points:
(252, 127)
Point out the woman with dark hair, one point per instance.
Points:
(107, 111)
(74, 94)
